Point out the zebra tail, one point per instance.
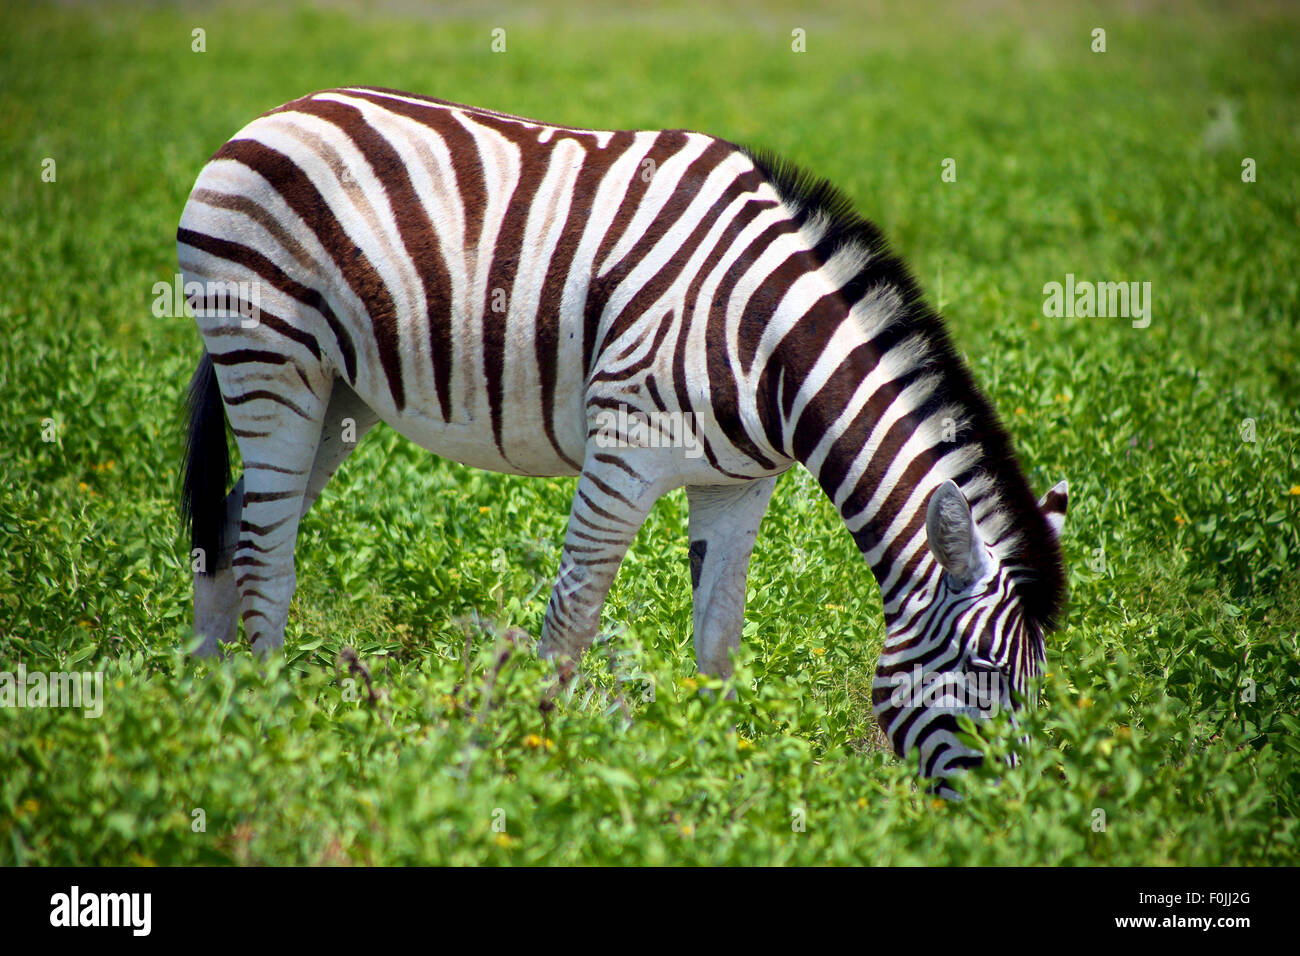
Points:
(207, 466)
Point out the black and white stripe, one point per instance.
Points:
(496, 288)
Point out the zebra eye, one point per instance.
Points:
(982, 663)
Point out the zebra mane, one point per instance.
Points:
(1025, 542)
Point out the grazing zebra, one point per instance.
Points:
(541, 300)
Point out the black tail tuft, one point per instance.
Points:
(207, 466)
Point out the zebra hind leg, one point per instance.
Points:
(347, 419)
(279, 432)
(216, 599)
(216, 596)
(724, 522)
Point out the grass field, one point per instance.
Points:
(1167, 731)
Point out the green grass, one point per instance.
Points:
(1183, 539)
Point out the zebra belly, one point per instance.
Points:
(472, 443)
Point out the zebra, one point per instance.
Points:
(498, 289)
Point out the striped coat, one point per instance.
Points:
(647, 310)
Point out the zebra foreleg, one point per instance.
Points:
(609, 506)
(724, 522)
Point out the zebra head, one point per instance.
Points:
(968, 640)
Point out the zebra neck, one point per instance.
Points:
(884, 508)
(862, 384)
(880, 428)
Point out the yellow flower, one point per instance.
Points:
(1295, 490)
(743, 744)
(1180, 519)
(484, 510)
(532, 740)
(862, 803)
(819, 651)
(687, 830)
(503, 840)
(1020, 410)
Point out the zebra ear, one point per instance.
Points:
(951, 533)
(1053, 505)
